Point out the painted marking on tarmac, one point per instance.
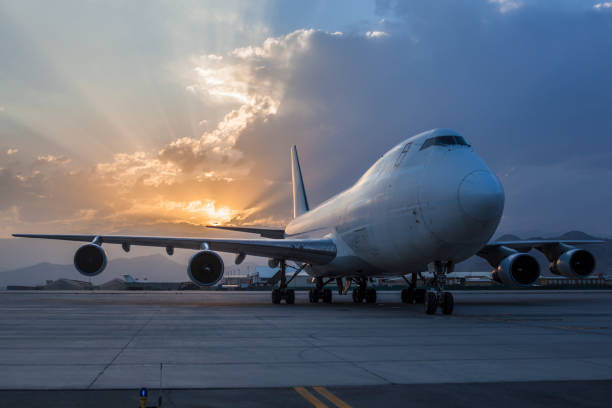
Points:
(331, 397)
(310, 398)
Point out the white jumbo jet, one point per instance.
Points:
(427, 204)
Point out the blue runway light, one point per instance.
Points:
(143, 392)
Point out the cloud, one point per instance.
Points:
(529, 90)
(128, 169)
(603, 5)
(506, 5)
(249, 81)
(251, 78)
(50, 159)
(376, 34)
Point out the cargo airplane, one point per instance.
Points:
(425, 205)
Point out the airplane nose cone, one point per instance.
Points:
(481, 196)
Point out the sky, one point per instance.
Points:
(160, 117)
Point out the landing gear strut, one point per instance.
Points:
(435, 296)
(362, 292)
(283, 292)
(318, 293)
(413, 295)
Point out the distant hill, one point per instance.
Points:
(18, 253)
(508, 237)
(576, 235)
(156, 268)
(602, 253)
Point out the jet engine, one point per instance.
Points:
(574, 264)
(517, 270)
(90, 260)
(205, 268)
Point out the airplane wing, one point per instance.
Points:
(317, 251)
(495, 251)
(276, 233)
(527, 245)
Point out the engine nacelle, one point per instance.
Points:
(517, 270)
(574, 264)
(90, 260)
(205, 268)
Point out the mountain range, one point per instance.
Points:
(155, 268)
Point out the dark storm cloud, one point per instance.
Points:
(530, 88)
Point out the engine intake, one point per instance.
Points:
(205, 268)
(517, 270)
(90, 260)
(574, 264)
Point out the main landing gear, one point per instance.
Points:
(283, 292)
(435, 297)
(362, 292)
(318, 293)
(413, 295)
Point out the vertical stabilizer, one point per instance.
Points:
(300, 202)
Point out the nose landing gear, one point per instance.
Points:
(435, 296)
(362, 292)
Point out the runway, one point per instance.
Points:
(205, 341)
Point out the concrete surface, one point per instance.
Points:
(469, 395)
(96, 340)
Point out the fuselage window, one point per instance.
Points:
(403, 154)
(444, 141)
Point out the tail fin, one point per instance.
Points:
(300, 202)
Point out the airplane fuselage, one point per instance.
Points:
(430, 198)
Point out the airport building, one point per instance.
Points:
(253, 277)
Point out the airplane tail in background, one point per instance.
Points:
(300, 202)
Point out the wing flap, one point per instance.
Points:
(275, 233)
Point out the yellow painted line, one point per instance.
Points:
(310, 398)
(331, 397)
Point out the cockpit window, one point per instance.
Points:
(444, 141)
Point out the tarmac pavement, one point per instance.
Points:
(231, 345)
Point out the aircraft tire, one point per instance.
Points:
(419, 296)
(311, 296)
(431, 303)
(327, 296)
(290, 296)
(370, 295)
(408, 296)
(448, 303)
(276, 296)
